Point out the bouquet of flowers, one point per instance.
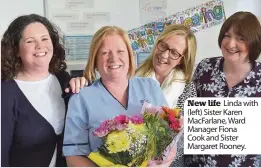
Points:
(125, 142)
(165, 129)
(144, 140)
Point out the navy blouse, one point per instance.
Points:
(27, 138)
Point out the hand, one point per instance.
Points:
(181, 121)
(167, 161)
(170, 158)
(76, 84)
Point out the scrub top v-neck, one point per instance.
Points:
(94, 104)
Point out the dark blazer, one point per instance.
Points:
(27, 138)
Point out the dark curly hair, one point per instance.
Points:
(11, 64)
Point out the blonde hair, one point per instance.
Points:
(187, 62)
(89, 72)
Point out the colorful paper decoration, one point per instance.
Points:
(197, 18)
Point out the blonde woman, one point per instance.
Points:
(118, 91)
(171, 64)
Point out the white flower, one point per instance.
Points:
(259, 73)
(259, 88)
(251, 75)
(205, 87)
(258, 82)
(212, 87)
(216, 78)
(250, 90)
(210, 162)
(207, 67)
(236, 163)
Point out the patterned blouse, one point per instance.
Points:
(188, 92)
(210, 81)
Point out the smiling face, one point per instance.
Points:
(113, 58)
(162, 61)
(35, 47)
(234, 47)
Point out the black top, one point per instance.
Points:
(27, 138)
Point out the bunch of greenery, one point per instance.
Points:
(160, 135)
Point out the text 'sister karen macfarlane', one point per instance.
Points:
(222, 125)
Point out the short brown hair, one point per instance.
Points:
(244, 24)
(89, 72)
(11, 64)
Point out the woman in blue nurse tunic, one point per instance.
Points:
(116, 92)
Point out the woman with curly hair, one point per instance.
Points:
(33, 78)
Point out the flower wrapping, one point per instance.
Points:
(165, 141)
